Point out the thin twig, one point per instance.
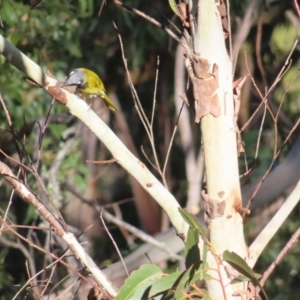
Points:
(40, 182)
(297, 7)
(36, 275)
(293, 240)
(285, 92)
(49, 277)
(166, 18)
(135, 231)
(275, 132)
(283, 70)
(135, 96)
(12, 130)
(119, 216)
(113, 241)
(18, 245)
(148, 125)
(18, 151)
(229, 28)
(275, 118)
(258, 51)
(140, 234)
(263, 100)
(260, 130)
(171, 141)
(43, 133)
(62, 294)
(151, 20)
(243, 29)
(102, 162)
(101, 7)
(75, 247)
(155, 93)
(148, 159)
(272, 163)
(6, 111)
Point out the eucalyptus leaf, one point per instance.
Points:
(137, 286)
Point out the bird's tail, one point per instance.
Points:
(107, 101)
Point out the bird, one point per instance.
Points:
(89, 83)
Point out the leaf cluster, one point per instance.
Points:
(150, 282)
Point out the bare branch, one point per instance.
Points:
(269, 231)
(293, 240)
(69, 238)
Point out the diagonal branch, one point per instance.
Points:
(68, 237)
(119, 151)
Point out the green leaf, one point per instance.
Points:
(57, 129)
(8, 12)
(240, 265)
(192, 251)
(191, 275)
(31, 214)
(244, 278)
(137, 285)
(165, 283)
(203, 294)
(86, 8)
(173, 6)
(206, 297)
(192, 221)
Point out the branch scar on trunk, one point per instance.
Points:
(212, 208)
(204, 78)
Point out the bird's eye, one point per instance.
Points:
(79, 82)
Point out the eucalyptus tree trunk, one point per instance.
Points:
(210, 71)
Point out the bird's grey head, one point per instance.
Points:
(76, 77)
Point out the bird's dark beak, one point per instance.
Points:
(66, 83)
